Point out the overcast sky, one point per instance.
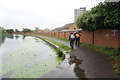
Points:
(18, 14)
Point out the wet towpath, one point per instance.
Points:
(84, 62)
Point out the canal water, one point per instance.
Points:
(26, 57)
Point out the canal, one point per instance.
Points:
(26, 57)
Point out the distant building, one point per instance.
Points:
(73, 27)
(57, 29)
(78, 12)
(37, 30)
(67, 27)
(46, 30)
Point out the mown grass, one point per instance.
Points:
(62, 46)
(59, 38)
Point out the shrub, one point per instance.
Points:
(59, 53)
(103, 16)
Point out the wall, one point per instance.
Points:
(61, 35)
(119, 39)
(86, 37)
(107, 37)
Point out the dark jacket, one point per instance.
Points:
(70, 39)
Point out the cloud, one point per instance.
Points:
(39, 13)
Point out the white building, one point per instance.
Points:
(78, 12)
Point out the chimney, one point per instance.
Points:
(83, 8)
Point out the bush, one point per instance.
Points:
(59, 53)
(25, 30)
(9, 30)
(103, 16)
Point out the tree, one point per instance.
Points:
(25, 30)
(9, 30)
(103, 16)
(16, 30)
(2, 30)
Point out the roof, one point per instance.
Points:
(67, 26)
(57, 29)
(46, 29)
(63, 27)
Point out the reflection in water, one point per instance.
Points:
(16, 37)
(37, 40)
(10, 36)
(80, 73)
(24, 36)
(3, 37)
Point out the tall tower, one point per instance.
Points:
(36, 29)
(78, 12)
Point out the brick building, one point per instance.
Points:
(73, 27)
(67, 27)
(37, 30)
(46, 30)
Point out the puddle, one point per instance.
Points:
(80, 73)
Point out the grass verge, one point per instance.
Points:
(59, 38)
(62, 46)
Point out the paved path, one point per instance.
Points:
(93, 64)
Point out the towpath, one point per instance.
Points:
(92, 64)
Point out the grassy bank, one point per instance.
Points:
(62, 46)
(59, 39)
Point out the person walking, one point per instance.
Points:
(77, 38)
(71, 39)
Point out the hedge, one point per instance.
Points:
(103, 16)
